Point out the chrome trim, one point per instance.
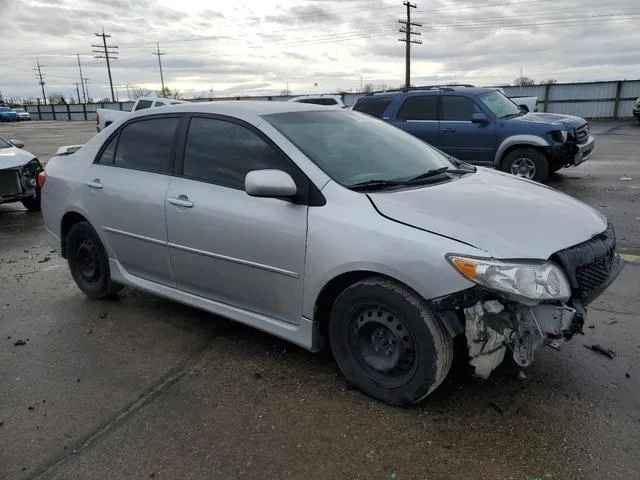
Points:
(133, 235)
(239, 261)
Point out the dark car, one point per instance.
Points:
(484, 127)
(636, 109)
(8, 115)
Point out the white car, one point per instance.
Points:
(327, 100)
(22, 113)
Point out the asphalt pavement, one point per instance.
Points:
(139, 387)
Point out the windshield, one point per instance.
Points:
(499, 104)
(19, 110)
(4, 143)
(5, 109)
(353, 147)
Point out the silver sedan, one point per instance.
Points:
(328, 226)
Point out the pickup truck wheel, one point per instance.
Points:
(88, 262)
(527, 163)
(387, 343)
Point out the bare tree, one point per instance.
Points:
(56, 98)
(551, 81)
(137, 92)
(285, 92)
(524, 81)
(368, 88)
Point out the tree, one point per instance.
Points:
(368, 88)
(57, 98)
(166, 92)
(551, 81)
(285, 92)
(137, 92)
(524, 81)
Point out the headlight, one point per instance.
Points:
(560, 135)
(535, 280)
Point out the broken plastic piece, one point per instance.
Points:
(600, 349)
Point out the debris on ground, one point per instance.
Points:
(89, 331)
(103, 315)
(628, 375)
(600, 349)
(31, 407)
(45, 260)
(603, 205)
(521, 375)
(613, 322)
(496, 407)
(625, 178)
(257, 376)
(19, 343)
(592, 326)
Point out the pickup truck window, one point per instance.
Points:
(457, 109)
(423, 107)
(143, 104)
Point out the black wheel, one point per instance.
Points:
(33, 204)
(527, 163)
(88, 262)
(387, 343)
(555, 169)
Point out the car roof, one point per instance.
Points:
(319, 95)
(235, 108)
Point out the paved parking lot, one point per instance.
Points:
(139, 387)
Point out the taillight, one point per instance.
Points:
(42, 177)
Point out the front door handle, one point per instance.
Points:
(94, 184)
(181, 201)
(448, 130)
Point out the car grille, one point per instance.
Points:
(588, 265)
(582, 133)
(9, 182)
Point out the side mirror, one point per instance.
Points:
(479, 118)
(17, 143)
(269, 183)
(524, 108)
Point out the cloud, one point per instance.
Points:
(260, 46)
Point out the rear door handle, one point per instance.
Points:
(94, 184)
(448, 130)
(181, 201)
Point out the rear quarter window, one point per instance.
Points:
(372, 106)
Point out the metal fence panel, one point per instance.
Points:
(586, 91)
(584, 109)
(630, 89)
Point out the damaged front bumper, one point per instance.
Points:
(495, 324)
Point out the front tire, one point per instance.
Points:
(88, 262)
(33, 204)
(387, 343)
(527, 163)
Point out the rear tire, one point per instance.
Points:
(527, 163)
(88, 262)
(387, 343)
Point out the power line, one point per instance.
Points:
(408, 40)
(41, 81)
(84, 95)
(107, 52)
(159, 54)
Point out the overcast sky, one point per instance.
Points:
(249, 47)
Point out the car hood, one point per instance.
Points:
(506, 216)
(14, 157)
(568, 121)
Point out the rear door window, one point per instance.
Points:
(147, 145)
(419, 107)
(457, 109)
(372, 106)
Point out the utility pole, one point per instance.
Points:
(408, 40)
(78, 91)
(86, 87)
(41, 81)
(107, 52)
(84, 95)
(159, 54)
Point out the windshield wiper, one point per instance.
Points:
(438, 171)
(509, 115)
(376, 184)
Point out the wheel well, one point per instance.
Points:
(328, 296)
(517, 147)
(68, 221)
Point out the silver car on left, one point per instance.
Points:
(19, 170)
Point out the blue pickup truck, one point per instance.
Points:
(483, 127)
(8, 115)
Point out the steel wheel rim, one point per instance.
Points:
(523, 167)
(383, 345)
(88, 260)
